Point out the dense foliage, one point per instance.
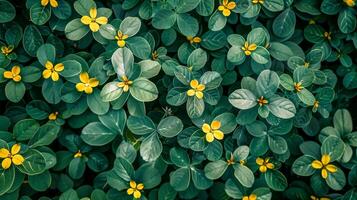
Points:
(178, 99)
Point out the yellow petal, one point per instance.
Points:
(270, 165)
(84, 77)
(49, 65)
(316, 164)
(121, 43)
(93, 82)
(17, 78)
(102, 20)
(52, 116)
(259, 161)
(245, 198)
(190, 92)
(137, 194)
(252, 47)
(225, 2)
(247, 53)
(18, 159)
(44, 2)
(6, 163)
(140, 186)
(252, 197)
(194, 83)
(220, 8)
(196, 40)
(263, 168)
(93, 13)
(59, 67)
(199, 95)
(325, 159)
(80, 87)
(201, 87)
(15, 149)
(4, 153)
(88, 90)
(86, 20)
(209, 137)
(121, 84)
(132, 184)
(206, 128)
(16, 70)
(331, 168)
(125, 37)
(8, 74)
(94, 26)
(215, 125)
(231, 5)
(54, 3)
(46, 73)
(226, 12)
(55, 76)
(324, 173)
(218, 134)
(130, 191)
(126, 88)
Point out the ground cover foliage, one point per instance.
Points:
(178, 99)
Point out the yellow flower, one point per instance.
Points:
(316, 104)
(14, 74)
(231, 160)
(52, 71)
(324, 165)
(312, 197)
(226, 7)
(53, 3)
(249, 48)
(125, 84)
(298, 86)
(264, 164)
(78, 154)
(196, 89)
(121, 39)
(11, 157)
(195, 39)
(93, 21)
(262, 101)
(350, 3)
(250, 197)
(212, 131)
(87, 84)
(306, 64)
(6, 50)
(135, 189)
(311, 21)
(327, 35)
(53, 116)
(154, 55)
(257, 1)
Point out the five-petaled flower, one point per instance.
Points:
(258, 1)
(250, 197)
(87, 84)
(11, 157)
(264, 164)
(53, 3)
(262, 101)
(212, 131)
(53, 116)
(226, 7)
(327, 35)
(249, 48)
(125, 84)
(6, 50)
(196, 89)
(193, 40)
(324, 165)
(52, 71)
(135, 189)
(350, 3)
(93, 21)
(298, 87)
(121, 37)
(14, 74)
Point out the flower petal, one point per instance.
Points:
(190, 92)
(17, 78)
(8, 74)
(6, 163)
(137, 194)
(140, 186)
(93, 13)
(55, 76)
(130, 191)
(84, 77)
(4, 153)
(259, 161)
(93, 82)
(325, 159)
(16, 70)
(316, 164)
(331, 168)
(102, 20)
(199, 95)
(231, 5)
(209, 137)
(54, 3)
(44, 2)
(215, 125)
(49, 65)
(324, 173)
(15, 149)
(226, 12)
(88, 90)
(59, 67)
(132, 184)
(201, 87)
(263, 168)
(121, 43)
(94, 26)
(206, 128)
(46, 73)
(86, 20)
(194, 83)
(218, 134)
(80, 87)
(18, 159)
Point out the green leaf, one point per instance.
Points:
(149, 68)
(96, 134)
(333, 146)
(276, 180)
(199, 180)
(115, 120)
(280, 51)
(342, 122)
(243, 99)
(7, 178)
(306, 97)
(211, 80)
(284, 23)
(25, 129)
(302, 166)
(214, 170)
(140, 125)
(244, 175)
(76, 168)
(261, 55)
(95, 103)
(111, 92)
(39, 14)
(164, 19)
(336, 180)
(33, 164)
(143, 90)
(195, 107)
(83, 6)
(282, 107)
(71, 68)
(187, 24)
(217, 21)
(7, 11)
(140, 47)
(151, 147)
(267, 83)
(170, 126)
(184, 6)
(180, 179)
(179, 157)
(197, 59)
(45, 135)
(130, 26)
(347, 20)
(213, 40)
(277, 144)
(123, 61)
(75, 30)
(32, 40)
(15, 91)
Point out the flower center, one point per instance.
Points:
(78, 154)
(155, 55)
(6, 50)
(262, 101)
(249, 48)
(327, 35)
(298, 86)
